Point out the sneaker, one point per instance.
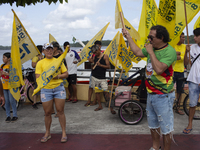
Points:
(14, 119)
(8, 119)
(34, 106)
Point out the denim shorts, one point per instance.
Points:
(194, 91)
(49, 94)
(160, 113)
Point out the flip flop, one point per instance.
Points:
(99, 108)
(63, 139)
(187, 131)
(87, 104)
(179, 112)
(45, 139)
(92, 104)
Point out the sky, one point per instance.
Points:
(79, 18)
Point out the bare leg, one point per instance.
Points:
(60, 103)
(191, 115)
(155, 134)
(74, 91)
(167, 139)
(90, 91)
(99, 102)
(47, 106)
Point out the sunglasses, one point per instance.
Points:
(150, 37)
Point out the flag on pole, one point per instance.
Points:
(118, 23)
(197, 23)
(15, 73)
(74, 39)
(192, 8)
(50, 73)
(147, 20)
(86, 52)
(123, 55)
(28, 50)
(51, 38)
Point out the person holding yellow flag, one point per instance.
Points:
(159, 83)
(53, 91)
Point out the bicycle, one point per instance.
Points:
(186, 102)
(131, 111)
(27, 89)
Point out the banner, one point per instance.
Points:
(74, 39)
(15, 73)
(167, 15)
(28, 50)
(50, 72)
(118, 23)
(86, 52)
(147, 20)
(192, 9)
(123, 54)
(197, 23)
(112, 50)
(51, 38)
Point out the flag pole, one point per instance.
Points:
(187, 32)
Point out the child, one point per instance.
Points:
(9, 100)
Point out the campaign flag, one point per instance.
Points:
(50, 72)
(197, 23)
(118, 23)
(112, 50)
(123, 54)
(147, 20)
(192, 9)
(51, 38)
(15, 73)
(74, 39)
(167, 15)
(28, 50)
(86, 51)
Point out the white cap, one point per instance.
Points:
(46, 45)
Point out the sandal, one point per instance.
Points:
(178, 111)
(113, 112)
(98, 108)
(75, 101)
(63, 139)
(93, 103)
(87, 104)
(187, 131)
(45, 139)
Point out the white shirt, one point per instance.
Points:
(70, 57)
(194, 74)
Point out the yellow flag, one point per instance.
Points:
(112, 50)
(51, 38)
(28, 50)
(147, 20)
(192, 9)
(123, 55)
(15, 73)
(86, 52)
(118, 23)
(167, 15)
(197, 23)
(50, 73)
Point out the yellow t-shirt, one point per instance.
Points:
(179, 66)
(42, 64)
(5, 79)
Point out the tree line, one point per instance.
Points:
(104, 43)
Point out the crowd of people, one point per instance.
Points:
(165, 65)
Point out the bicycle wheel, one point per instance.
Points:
(186, 108)
(131, 112)
(30, 93)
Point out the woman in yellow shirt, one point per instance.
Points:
(54, 91)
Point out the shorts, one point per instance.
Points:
(72, 78)
(194, 91)
(160, 113)
(101, 83)
(179, 83)
(49, 94)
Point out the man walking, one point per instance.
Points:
(159, 83)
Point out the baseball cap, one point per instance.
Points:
(46, 45)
